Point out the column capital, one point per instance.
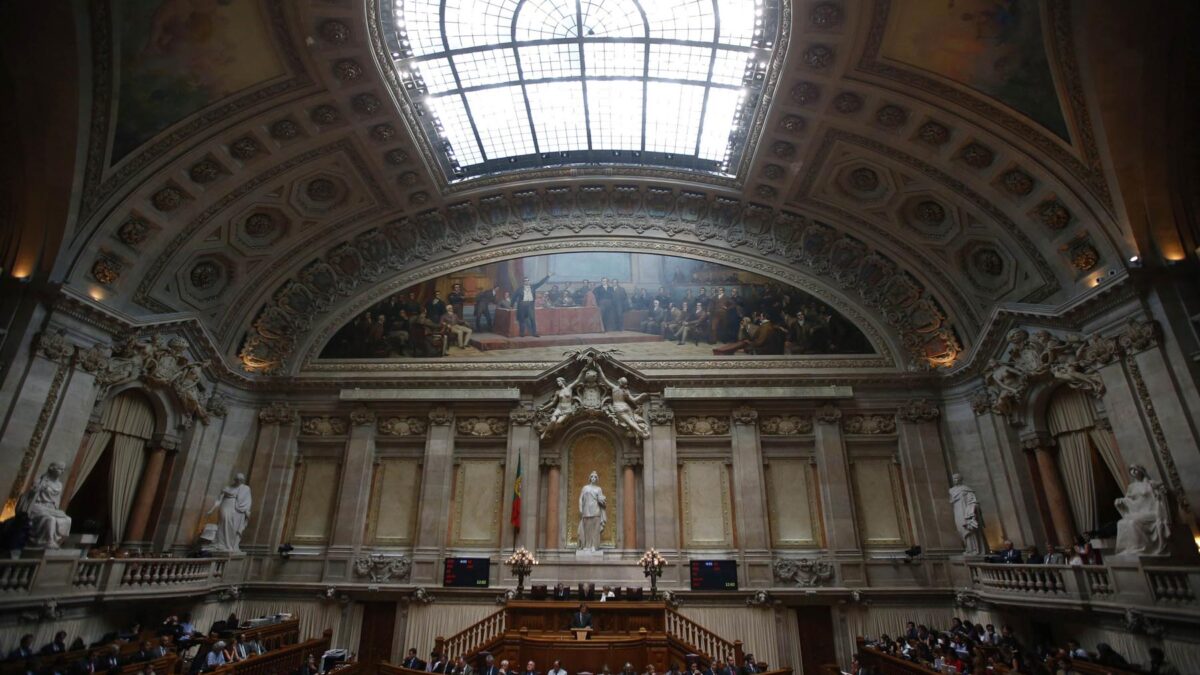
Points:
(827, 414)
(278, 412)
(55, 346)
(660, 415)
(744, 414)
(163, 442)
(441, 416)
(523, 416)
(362, 416)
(918, 410)
(1034, 440)
(631, 461)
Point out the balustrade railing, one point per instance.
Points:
(705, 642)
(58, 577)
(473, 637)
(1173, 586)
(87, 573)
(17, 575)
(170, 571)
(1046, 580)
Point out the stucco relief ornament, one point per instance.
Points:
(55, 346)
(277, 412)
(159, 361)
(362, 417)
(523, 416)
(591, 394)
(917, 411)
(216, 406)
(381, 568)
(804, 572)
(702, 426)
(440, 416)
(661, 415)
(483, 426)
(744, 414)
(869, 425)
(322, 426)
(402, 426)
(1042, 356)
(786, 425)
(1139, 335)
(828, 414)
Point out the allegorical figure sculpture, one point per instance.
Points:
(49, 525)
(561, 406)
(1145, 525)
(623, 406)
(968, 517)
(234, 505)
(592, 514)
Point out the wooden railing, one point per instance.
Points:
(473, 638)
(162, 666)
(285, 660)
(273, 636)
(701, 640)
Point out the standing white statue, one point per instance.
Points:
(1145, 525)
(234, 503)
(592, 515)
(968, 517)
(49, 525)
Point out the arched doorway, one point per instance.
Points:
(1088, 458)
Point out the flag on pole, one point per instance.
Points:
(516, 506)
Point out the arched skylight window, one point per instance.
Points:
(499, 85)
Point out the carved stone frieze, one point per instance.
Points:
(483, 426)
(402, 426)
(869, 424)
(803, 571)
(278, 412)
(216, 406)
(828, 414)
(661, 415)
(744, 414)
(593, 395)
(441, 416)
(1043, 357)
(54, 346)
(158, 361)
(362, 416)
(702, 426)
(381, 568)
(323, 426)
(918, 410)
(785, 425)
(1139, 335)
(522, 416)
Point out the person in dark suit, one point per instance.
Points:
(605, 301)
(1010, 554)
(144, 653)
(727, 668)
(620, 300)
(749, 667)
(436, 663)
(526, 294)
(768, 339)
(530, 669)
(457, 298)
(24, 650)
(58, 646)
(489, 666)
(412, 662)
(436, 307)
(485, 305)
(582, 618)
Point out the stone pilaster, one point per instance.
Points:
(436, 480)
(923, 464)
(660, 479)
(31, 415)
(1054, 491)
(358, 466)
(271, 474)
(523, 443)
(749, 484)
(837, 491)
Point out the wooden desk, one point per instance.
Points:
(615, 617)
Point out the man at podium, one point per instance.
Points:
(581, 619)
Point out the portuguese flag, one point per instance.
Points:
(516, 507)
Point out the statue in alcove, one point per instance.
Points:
(968, 517)
(592, 514)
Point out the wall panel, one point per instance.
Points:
(707, 516)
(793, 503)
(477, 502)
(395, 491)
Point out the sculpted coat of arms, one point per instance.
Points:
(592, 394)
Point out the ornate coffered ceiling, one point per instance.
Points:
(279, 188)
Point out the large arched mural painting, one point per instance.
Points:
(650, 305)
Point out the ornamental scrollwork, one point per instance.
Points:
(803, 572)
(661, 415)
(744, 414)
(402, 426)
(158, 361)
(828, 414)
(869, 425)
(483, 426)
(362, 416)
(441, 416)
(786, 425)
(323, 426)
(593, 395)
(54, 346)
(918, 410)
(702, 426)
(381, 568)
(278, 412)
(1043, 357)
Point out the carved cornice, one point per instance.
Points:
(918, 410)
(278, 412)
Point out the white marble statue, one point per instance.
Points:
(592, 514)
(1145, 525)
(49, 525)
(234, 505)
(968, 517)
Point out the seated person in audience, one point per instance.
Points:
(133, 632)
(1034, 557)
(454, 326)
(1010, 554)
(990, 636)
(148, 669)
(24, 650)
(556, 669)
(310, 666)
(952, 659)
(489, 666)
(57, 646)
(436, 664)
(582, 618)
(144, 653)
(749, 667)
(910, 630)
(412, 662)
(236, 651)
(1007, 639)
(649, 669)
(530, 669)
(88, 665)
(1055, 555)
(674, 669)
(163, 647)
(628, 669)
(216, 656)
(110, 660)
(1106, 656)
(461, 667)
(1074, 651)
(727, 668)
(187, 629)
(1158, 663)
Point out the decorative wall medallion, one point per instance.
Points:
(1082, 253)
(325, 115)
(395, 157)
(744, 414)
(362, 416)
(847, 102)
(334, 32)
(321, 190)
(381, 568)
(1017, 182)
(402, 426)
(818, 57)
(773, 172)
(134, 231)
(918, 410)
(933, 133)
(168, 199)
(284, 130)
(702, 426)
(786, 425)
(869, 425)
(418, 198)
(765, 191)
(260, 224)
(204, 171)
(323, 426)
(825, 15)
(383, 132)
(891, 116)
(988, 261)
(1053, 214)
(278, 412)
(206, 274)
(783, 149)
(441, 416)
(803, 572)
(366, 104)
(793, 124)
(661, 415)
(244, 148)
(863, 179)
(347, 70)
(929, 213)
(107, 269)
(408, 178)
(483, 426)
(806, 93)
(977, 156)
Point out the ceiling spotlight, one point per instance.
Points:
(1134, 258)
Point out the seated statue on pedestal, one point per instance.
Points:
(49, 525)
(1145, 525)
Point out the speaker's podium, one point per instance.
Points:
(581, 634)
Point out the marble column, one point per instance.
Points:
(837, 492)
(272, 470)
(553, 478)
(660, 480)
(629, 507)
(1053, 489)
(923, 465)
(436, 480)
(1172, 427)
(358, 467)
(143, 502)
(26, 427)
(749, 484)
(525, 446)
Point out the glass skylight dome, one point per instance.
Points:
(500, 85)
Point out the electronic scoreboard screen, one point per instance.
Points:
(468, 572)
(714, 575)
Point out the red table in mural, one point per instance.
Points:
(552, 321)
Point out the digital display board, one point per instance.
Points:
(714, 575)
(466, 572)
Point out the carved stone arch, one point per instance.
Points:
(164, 404)
(886, 339)
(566, 447)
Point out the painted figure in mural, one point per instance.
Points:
(49, 525)
(1145, 525)
(234, 504)
(592, 514)
(968, 517)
